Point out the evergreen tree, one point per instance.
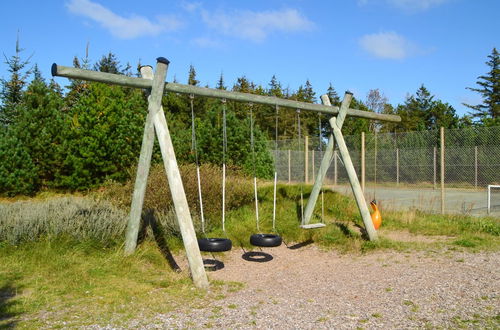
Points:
(40, 128)
(488, 112)
(18, 174)
(12, 89)
(333, 96)
(275, 88)
(220, 83)
(192, 77)
(415, 112)
(104, 137)
(421, 112)
(108, 63)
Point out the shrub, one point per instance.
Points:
(79, 218)
(238, 191)
(18, 174)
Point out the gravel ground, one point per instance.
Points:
(306, 288)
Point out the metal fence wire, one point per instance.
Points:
(404, 169)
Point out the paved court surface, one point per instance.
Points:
(460, 201)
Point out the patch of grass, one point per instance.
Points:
(85, 283)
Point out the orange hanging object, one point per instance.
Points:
(376, 216)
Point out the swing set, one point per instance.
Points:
(156, 124)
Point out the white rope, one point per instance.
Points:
(194, 147)
(301, 188)
(224, 150)
(274, 200)
(275, 167)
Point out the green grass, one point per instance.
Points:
(86, 283)
(61, 269)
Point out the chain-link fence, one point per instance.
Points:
(406, 169)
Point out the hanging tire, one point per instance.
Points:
(215, 244)
(266, 240)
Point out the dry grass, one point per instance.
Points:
(158, 198)
(76, 217)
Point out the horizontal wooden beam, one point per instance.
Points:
(109, 78)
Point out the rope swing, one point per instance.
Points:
(211, 244)
(262, 240)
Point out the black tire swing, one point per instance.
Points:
(260, 239)
(211, 244)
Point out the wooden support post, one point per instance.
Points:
(174, 178)
(397, 166)
(354, 181)
(289, 166)
(306, 159)
(442, 170)
(327, 159)
(363, 164)
(141, 178)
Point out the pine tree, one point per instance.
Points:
(103, 140)
(275, 87)
(108, 63)
(12, 89)
(332, 95)
(220, 83)
(192, 76)
(488, 112)
(40, 127)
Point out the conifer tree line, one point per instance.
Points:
(78, 136)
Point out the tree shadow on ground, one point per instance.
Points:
(149, 219)
(7, 304)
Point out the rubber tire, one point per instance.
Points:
(215, 244)
(266, 240)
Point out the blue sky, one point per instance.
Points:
(357, 45)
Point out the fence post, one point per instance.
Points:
(312, 163)
(442, 170)
(397, 166)
(306, 159)
(435, 165)
(475, 167)
(289, 167)
(363, 168)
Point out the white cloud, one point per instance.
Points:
(206, 43)
(388, 45)
(256, 26)
(407, 5)
(121, 27)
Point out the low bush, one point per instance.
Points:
(238, 191)
(75, 217)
